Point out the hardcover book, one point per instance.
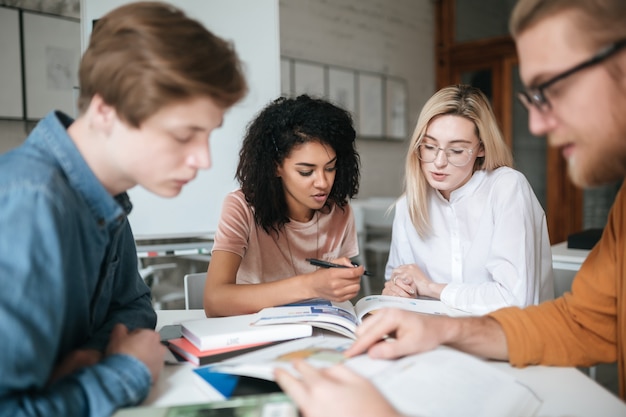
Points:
(220, 332)
(188, 351)
(263, 405)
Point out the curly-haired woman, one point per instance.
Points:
(297, 169)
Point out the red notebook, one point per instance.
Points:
(188, 351)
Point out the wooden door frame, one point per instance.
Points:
(564, 201)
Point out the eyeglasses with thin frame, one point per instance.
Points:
(457, 156)
(535, 96)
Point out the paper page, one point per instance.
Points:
(337, 317)
(448, 383)
(319, 351)
(371, 303)
(439, 383)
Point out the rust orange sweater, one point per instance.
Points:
(587, 325)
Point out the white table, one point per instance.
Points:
(199, 247)
(564, 391)
(565, 263)
(567, 259)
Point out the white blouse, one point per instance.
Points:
(489, 243)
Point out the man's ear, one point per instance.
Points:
(101, 115)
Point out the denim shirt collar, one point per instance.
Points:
(52, 137)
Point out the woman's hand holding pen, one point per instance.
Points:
(337, 283)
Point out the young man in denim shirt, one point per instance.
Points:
(77, 318)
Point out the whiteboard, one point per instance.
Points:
(51, 57)
(11, 104)
(253, 27)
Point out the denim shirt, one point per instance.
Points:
(68, 273)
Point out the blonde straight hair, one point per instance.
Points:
(602, 21)
(456, 100)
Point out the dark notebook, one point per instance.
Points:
(586, 239)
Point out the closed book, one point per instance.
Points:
(586, 239)
(187, 350)
(275, 404)
(219, 332)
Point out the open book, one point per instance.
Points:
(420, 384)
(343, 318)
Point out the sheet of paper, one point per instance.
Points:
(448, 383)
(439, 383)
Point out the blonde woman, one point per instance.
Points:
(468, 229)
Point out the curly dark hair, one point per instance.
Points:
(283, 124)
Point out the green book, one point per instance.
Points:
(262, 405)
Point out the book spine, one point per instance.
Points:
(221, 341)
(191, 337)
(277, 333)
(186, 355)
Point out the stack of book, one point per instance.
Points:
(209, 340)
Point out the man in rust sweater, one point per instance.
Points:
(573, 60)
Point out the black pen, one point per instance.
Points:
(325, 264)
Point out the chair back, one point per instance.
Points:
(374, 219)
(194, 290)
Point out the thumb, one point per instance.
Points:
(118, 334)
(119, 330)
(406, 280)
(388, 349)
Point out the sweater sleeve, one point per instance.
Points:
(579, 328)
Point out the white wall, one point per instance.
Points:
(252, 26)
(393, 37)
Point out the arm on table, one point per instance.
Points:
(413, 333)
(222, 297)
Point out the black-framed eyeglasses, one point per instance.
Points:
(535, 96)
(457, 156)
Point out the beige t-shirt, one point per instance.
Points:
(271, 257)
